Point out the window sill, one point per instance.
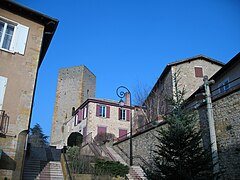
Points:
(6, 50)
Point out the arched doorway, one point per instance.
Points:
(75, 139)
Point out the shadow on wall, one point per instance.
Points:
(6, 162)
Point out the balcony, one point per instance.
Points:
(4, 122)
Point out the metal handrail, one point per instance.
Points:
(96, 147)
(106, 151)
(225, 84)
(89, 140)
(67, 167)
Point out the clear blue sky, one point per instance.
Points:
(129, 42)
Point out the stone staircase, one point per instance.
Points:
(135, 172)
(52, 171)
(32, 168)
(43, 164)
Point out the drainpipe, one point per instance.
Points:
(213, 140)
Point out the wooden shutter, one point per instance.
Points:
(80, 115)
(3, 84)
(108, 112)
(98, 110)
(198, 71)
(122, 134)
(119, 114)
(20, 39)
(102, 130)
(128, 115)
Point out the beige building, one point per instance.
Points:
(190, 72)
(25, 36)
(75, 85)
(99, 116)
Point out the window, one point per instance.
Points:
(198, 71)
(103, 111)
(76, 120)
(123, 114)
(6, 35)
(13, 36)
(85, 112)
(224, 86)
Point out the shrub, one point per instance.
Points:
(111, 168)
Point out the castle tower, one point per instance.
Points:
(75, 85)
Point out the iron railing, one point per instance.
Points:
(226, 87)
(4, 122)
(92, 144)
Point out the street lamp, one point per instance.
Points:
(121, 92)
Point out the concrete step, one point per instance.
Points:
(53, 170)
(136, 172)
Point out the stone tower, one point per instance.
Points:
(75, 85)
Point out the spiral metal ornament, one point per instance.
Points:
(121, 91)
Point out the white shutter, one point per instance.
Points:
(20, 39)
(3, 84)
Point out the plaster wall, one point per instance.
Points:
(21, 72)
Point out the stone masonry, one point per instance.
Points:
(75, 85)
(226, 112)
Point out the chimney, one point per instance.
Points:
(127, 98)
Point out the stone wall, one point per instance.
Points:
(226, 112)
(187, 77)
(74, 86)
(143, 146)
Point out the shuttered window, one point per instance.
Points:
(13, 36)
(124, 114)
(198, 71)
(103, 111)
